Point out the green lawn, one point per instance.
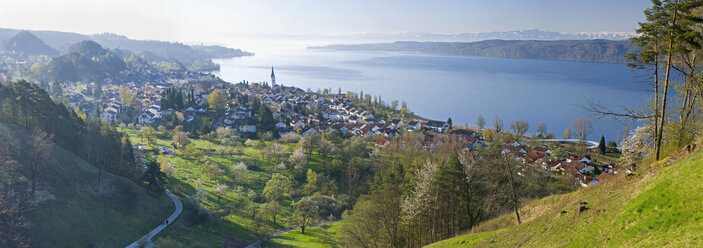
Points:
(322, 236)
(661, 206)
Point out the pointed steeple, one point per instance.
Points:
(273, 78)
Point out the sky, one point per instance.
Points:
(206, 20)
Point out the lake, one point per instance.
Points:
(438, 87)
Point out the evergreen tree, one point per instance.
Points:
(601, 145)
(153, 174)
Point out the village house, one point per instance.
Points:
(437, 126)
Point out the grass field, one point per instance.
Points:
(79, 213)
(660, 206)
(190, 174)
(322, 236)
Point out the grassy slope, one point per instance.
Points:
(660, 207)
(314, 237)
(238, 223)
(83, 215)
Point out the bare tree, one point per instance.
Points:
(8, 152)
(181, 139)
(498, 174)
(39, 155)
(520, 127)
(542, 129)
(13, 222)
(583, 127)
(480, 122)
(498, 124)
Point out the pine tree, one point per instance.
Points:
(601, 145)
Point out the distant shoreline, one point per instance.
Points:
(599, 51)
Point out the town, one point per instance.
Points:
(201, 103)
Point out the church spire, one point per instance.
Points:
(273, 78)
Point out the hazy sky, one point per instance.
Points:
(188, 20)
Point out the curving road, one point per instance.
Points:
(592, 143)
(147, 238)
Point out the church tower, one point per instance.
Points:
(273, 79)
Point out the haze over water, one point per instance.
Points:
(438, 87)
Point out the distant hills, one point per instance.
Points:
(56, 42)
(86, 61)
(25, 43)
(573, 50)
(531, 34)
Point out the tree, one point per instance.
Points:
(519, 127)
(498, 124)
(9, 150)
(497, 173)
(298, 158)
(148, 133)
(480, 122)
(403, 111)
(238, 170)
(326, 149)
(217, 101)
(421, 196)
(277, 189)
(601, 145)
(311, 184)
(567, 133)
(583, 128)
(13, 221)
(219, 190)
(449, 122)
(167, 167)
(181, 139)
(306, 210)
(40, 154)
(311, 142)
(489, 135)
(542, 129)
(126, 95)
(153, 174)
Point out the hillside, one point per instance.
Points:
(658, 207)
(73, 211)
(572, 50)
(25, 43)
(86, 61)
(164, 50)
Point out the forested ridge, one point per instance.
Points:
(92, 139)
(573, 50)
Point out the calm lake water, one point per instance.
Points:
(438, 87)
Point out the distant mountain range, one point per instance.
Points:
(574, 50)
(27, 42)
(532, 34)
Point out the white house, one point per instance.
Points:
(109, 114)
(437, 126)
(414, 125)
(146, 117)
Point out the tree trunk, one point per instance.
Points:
(666, 88)
(656, 99)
